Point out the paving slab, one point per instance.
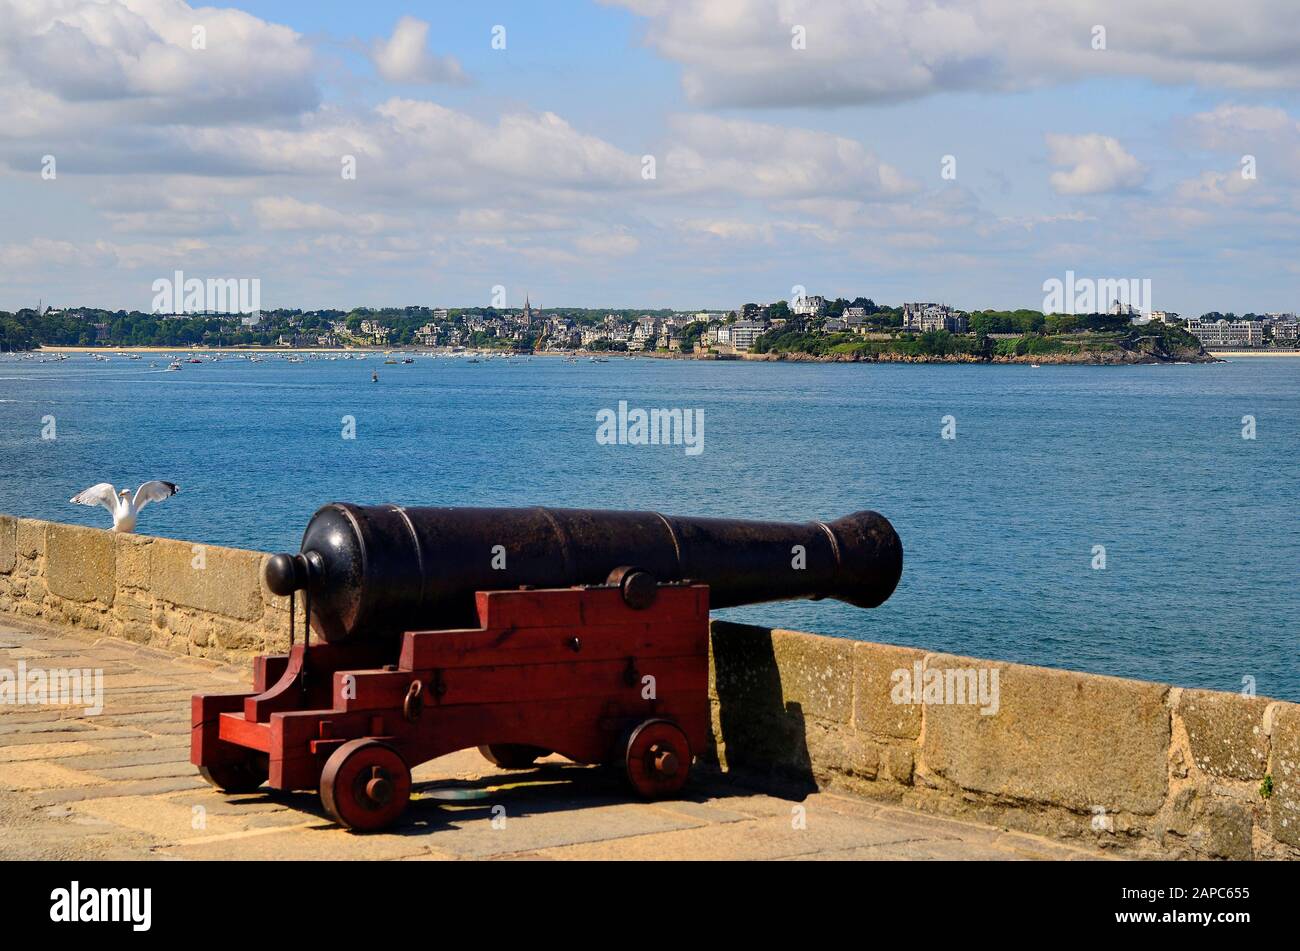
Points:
(119, 785)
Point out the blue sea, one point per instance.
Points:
(1199, 526)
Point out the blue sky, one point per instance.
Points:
(775, 165)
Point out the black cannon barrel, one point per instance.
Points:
(378, 570)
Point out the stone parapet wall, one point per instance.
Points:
(199, 600)
(1141, 768)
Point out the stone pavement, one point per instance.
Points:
(119, 785)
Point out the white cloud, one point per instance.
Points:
(178, 205)
(1030, 222)
(38, 254)
(285, 213)
(435, 142)
(608, 244)
(135, 59)
(1214, 188)
(740, 52)
(759, 160)
(728, 229)
(146, 254)
(1098, 164)
(917, 240)
(510, 219)
(1263, 142)
(405, 58)
(1232, 126)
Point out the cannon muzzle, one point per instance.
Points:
(376, 571)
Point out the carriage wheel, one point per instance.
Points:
(365, 785)
(657, 759)
(512, 755)
(241, 776)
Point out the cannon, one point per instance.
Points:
(522, 632)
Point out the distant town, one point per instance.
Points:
(808, 327)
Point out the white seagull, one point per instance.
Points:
(121, 504)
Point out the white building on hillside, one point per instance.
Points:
(745, 332)
(808, 306)
(922, 316)
(1225, 333)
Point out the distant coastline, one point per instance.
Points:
(1112, 357)
(809, 330)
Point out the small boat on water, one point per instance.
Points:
(374, 376)
(193, 360)
(175, 365)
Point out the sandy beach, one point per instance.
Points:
(410, 348)
(188, 349)
(1230, 354)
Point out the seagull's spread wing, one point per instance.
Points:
(154, 491)
(103, 494)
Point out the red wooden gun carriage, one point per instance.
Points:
(518, 631)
